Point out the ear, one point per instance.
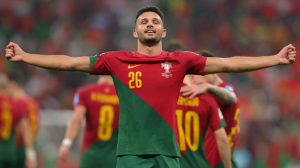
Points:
(164, 34)
(134, 33)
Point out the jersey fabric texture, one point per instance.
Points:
(148, 88)
(100, 134)
(231, 116)
(194, 117)
(147, 161)
(30, 109)
(9, 119)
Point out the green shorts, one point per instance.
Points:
(21, 157)
(7, 154)
(147, 161)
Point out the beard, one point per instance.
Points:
(150, 41)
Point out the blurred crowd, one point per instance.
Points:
(270, 112)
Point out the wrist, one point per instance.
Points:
(67, 142)
(30, 154)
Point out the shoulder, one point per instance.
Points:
(183, 53)
(85, 89)
(227, 86)
(208, 99)
(115, 53)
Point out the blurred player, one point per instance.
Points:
(98, 104)
(30, 109)
(148, 82)
(194, 117)
(229, 105)
(12, 123)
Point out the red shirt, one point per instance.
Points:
(231, 116)
(102, 112)
(9, 118)
(148, 88)
(30, 109)
(194, 117)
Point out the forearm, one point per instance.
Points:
(224, 148)
(244, 64)
(72, 130)
(225, 96)
(57, 62)
(240, 64)
(28, 139)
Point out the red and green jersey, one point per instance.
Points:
(30, 109)
(101, 123)
(9, 119)
(148, 88)
(194, 117)
(231, 114)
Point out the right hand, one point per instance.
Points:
(63, 152)
(13, 52)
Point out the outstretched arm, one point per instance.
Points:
(223, 146)
(72, 131)
(287, 55)
(14, 52)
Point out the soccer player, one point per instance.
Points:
(148, 82)
(194, 117)
(228, 102)
(30, 110)
(98, 104)
(12, 122)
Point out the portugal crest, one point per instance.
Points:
(166, 66)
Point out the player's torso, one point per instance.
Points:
(231, 115)
(148, 88)
(8, 118)
(102, 114)
(192, 118)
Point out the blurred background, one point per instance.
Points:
(270, 108)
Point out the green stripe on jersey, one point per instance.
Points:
(102, 154)
(8, 151)
(195, 159)
(142, 130)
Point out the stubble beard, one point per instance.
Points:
(150, 41)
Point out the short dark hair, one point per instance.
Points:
(154, 9)
(206, 53)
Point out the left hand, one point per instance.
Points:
(194, 90)
(287, 55)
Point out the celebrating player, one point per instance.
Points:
(148, 82)
(194, 117)
(229, 105)
(99, 105)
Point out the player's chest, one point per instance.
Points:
(151, 75)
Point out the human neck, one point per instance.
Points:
(150, 51)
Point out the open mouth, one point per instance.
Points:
(149, 31)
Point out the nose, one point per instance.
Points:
(149, 26)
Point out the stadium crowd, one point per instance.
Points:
(269, 98)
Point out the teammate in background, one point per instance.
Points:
(228, 102)
(30, 109)
(98, 104)
(148, 82)
(12, 123)
(194, 117)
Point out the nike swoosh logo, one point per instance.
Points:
(132, 66)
